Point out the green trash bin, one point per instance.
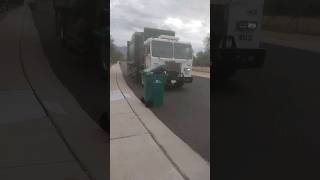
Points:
(154, 80)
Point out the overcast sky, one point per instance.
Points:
(190, 19)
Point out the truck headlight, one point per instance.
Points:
(252, 25)
(245, 25)
(187, 70)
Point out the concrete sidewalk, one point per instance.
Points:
(44, 133)
(141, 146)
(298, 41)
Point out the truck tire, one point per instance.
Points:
(138, 77)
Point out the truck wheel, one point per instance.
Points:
(138, 77)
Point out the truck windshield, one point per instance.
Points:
(182, 51)
(162, 49)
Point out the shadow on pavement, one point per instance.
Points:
(80, 74)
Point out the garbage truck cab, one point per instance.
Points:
(176, 56)
(236, 36)
(154, 47)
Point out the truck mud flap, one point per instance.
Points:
(239, 58)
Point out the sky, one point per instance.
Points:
(190, 19)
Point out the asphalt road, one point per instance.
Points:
(266, 121)
(78, 73)
(186, 112)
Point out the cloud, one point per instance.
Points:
(193, 26)
(114, 3)
(190, 19)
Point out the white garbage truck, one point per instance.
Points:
(236, 36)
(155, 47)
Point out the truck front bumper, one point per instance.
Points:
(187, 79)
(178, 77)
(238, 58)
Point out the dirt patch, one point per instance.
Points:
(286, 24)
(201, 69)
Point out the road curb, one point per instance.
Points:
(189, 163)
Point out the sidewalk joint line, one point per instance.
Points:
(121, 113)
(123, 137)
(184, 176)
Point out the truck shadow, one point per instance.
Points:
(228, 87)
(175, 89)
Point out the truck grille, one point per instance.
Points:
(173, 66)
